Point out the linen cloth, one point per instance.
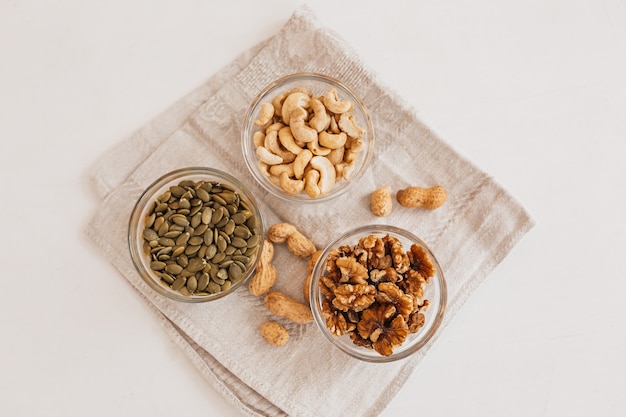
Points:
(476, 228)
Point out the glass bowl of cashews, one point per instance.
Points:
(377, 293)
(195, 234)
(307, 138)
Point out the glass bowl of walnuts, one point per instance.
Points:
(195, 234)
(378, 293)
(307, 138)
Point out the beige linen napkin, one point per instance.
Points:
(476, 228)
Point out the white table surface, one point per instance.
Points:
(532, 91)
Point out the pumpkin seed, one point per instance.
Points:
(183, 238)
(166, 241)
(180, 219)
(195, 264)
(203, 195)
(149, 234)
(203, 281)
(235, 272)
(217, 214)
(157, 265)
(239, 242)
(214, 288)
(179, 282)
(238, 218)
(192, 284)
(210, 251)
(174, 269)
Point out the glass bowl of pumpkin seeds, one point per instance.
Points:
(195, 234)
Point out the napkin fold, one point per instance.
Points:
(476, 228)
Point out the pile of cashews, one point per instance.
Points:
(307, 143)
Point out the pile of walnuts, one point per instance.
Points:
(374, 291)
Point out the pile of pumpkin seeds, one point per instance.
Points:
(201, 237)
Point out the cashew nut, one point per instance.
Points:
(271, 143)
(332, 102)
(321, 120)
(258, 138)
(287, 140)
(290, 186)
(266, 114)
(268, 157)
(327, 173)
(332, 141)
(315, 147)
(279, 169)
(342, 169)
(348, 125)
(293, 101)
(336, 155)
(310, 183)
(298, 126)
(300, 163)
(274, 126)
(334, 127)
(302, 89)
(277, 102)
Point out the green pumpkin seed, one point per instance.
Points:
(183, 260)
(252, 223)
(214, 288)
(197, 231)
(221, 243)
(166, 241)
(210, 251)
(158, 222)
(157, 266)
(150, 220)
(196, 219)
(239, 242)
(235, 272)
(195, 264)
(217, 215)
(192, 249)
(196, 240)
(174, 269)
(253, 241)
(238, 218)
(179, 283)
(242, 232)
(167, 278)
(178, 250)
(180, 219)
(207, 214)
(229, 227)
(183, 238)
(218, 257)
(203, 281)
(149, 234)
(160, 208)
(192, 284)
(177, 190)
(203, 195)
